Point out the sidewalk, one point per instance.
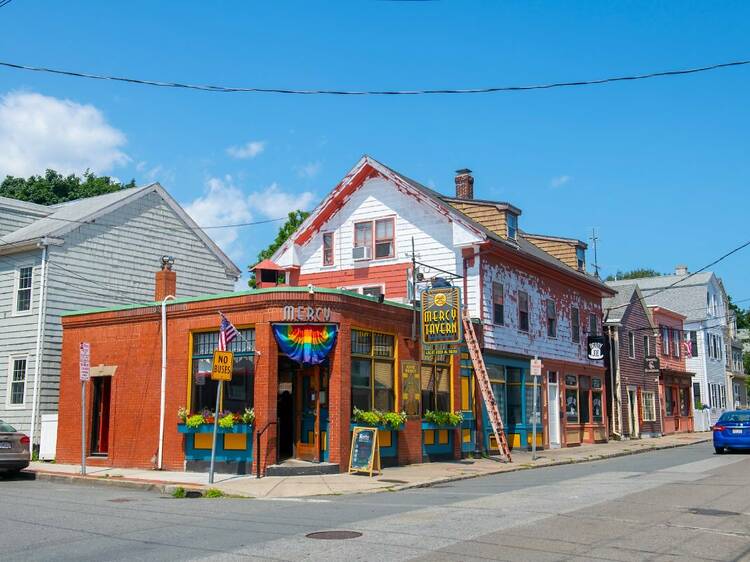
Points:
(392, 479)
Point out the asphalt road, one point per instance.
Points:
(684, 503)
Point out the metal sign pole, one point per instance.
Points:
(83, 428)
(533, 424)
(216, 428)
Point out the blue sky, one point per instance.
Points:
(659, 167)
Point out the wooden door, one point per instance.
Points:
(307, 415)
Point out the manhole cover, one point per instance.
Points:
(711, 512)
(121, 500)
(334, 535)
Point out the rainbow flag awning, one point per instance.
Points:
(307, 344)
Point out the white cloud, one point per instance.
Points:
(223, 203)
(39, 132)
(151, 174)
(248, 150)
(309, 170)
(274, 203)
(560, 181)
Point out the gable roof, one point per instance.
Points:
(616, 307)
(66, 217)
(688, 296)
(367, 167)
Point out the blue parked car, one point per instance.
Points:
(732, 431)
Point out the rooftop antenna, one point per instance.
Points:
(594, 239)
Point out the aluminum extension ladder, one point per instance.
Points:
(483, 379)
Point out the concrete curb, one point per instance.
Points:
(169, 487)
(518, 468)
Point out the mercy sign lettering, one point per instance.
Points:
(441, 316)
(223, 364)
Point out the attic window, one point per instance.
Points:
(269, 276)
(512, 221)
(581, 258)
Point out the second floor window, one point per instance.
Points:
(631, 345)
(23, 289)
(593, 325)
(676, 343)
(498, 311)
(384, 240)
(328, 248)
(363, 234)
(646, 346)
(523, 311)
(575, 324)
(664, 340)
(693, 343)
(551, 319)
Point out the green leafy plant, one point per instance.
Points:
(227, 422)
(179, 492)
(443, 418)
(183, 413)
(394, 420)
(214, 492)
(194, 421)
(248, 416)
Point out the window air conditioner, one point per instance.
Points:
(361, 253)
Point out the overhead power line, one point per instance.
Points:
(335, 92)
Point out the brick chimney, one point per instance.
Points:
(166, 280)
(464, 184)
(681, 270)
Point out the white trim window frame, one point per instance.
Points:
(17, 289)
(649, 406)
(329, 261)
(13, 359)
(361, 288)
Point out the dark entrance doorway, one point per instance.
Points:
(285, 415)
(102, 388)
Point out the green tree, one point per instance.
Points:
(743, 316)
(53, 188)
(293, 221)
(633, 274)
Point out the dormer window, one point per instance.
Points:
(581, 258)
(512, 221)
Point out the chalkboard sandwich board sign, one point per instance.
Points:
(365, 454)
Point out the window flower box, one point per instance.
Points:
(209, 427)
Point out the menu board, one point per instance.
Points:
(365, 453)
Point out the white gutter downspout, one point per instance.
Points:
(39, 336)
(163, 378)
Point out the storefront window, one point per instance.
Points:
(597, 405)
(515, 413)
(497, 382)
(436, 385)
(669, 401)
(684, 402)
(238, 393)
(372, 370)
(571, 398)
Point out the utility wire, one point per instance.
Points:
(488, 90)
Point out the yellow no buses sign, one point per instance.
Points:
(222, 366)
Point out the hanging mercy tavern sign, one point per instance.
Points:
(441, 316)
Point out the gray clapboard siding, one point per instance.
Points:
(105, 263)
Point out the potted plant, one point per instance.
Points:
(441, 420)
(384, 421)
(229, 422)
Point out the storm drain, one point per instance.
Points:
(334, 535)
(712, 512)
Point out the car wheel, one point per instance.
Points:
(719, 450)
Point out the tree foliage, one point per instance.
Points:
(53, 188)
(742, 316)
(633, 274)
(293, 221)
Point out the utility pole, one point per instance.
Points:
(594, 239)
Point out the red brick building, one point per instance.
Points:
(675, 383)
(123, 402)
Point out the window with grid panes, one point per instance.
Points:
(238, 393)
(17, 387)
(23, 290)
(435, 377)
(649, 407)
(372, 370)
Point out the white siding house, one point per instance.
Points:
(89, 253)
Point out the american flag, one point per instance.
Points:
(227, 332)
